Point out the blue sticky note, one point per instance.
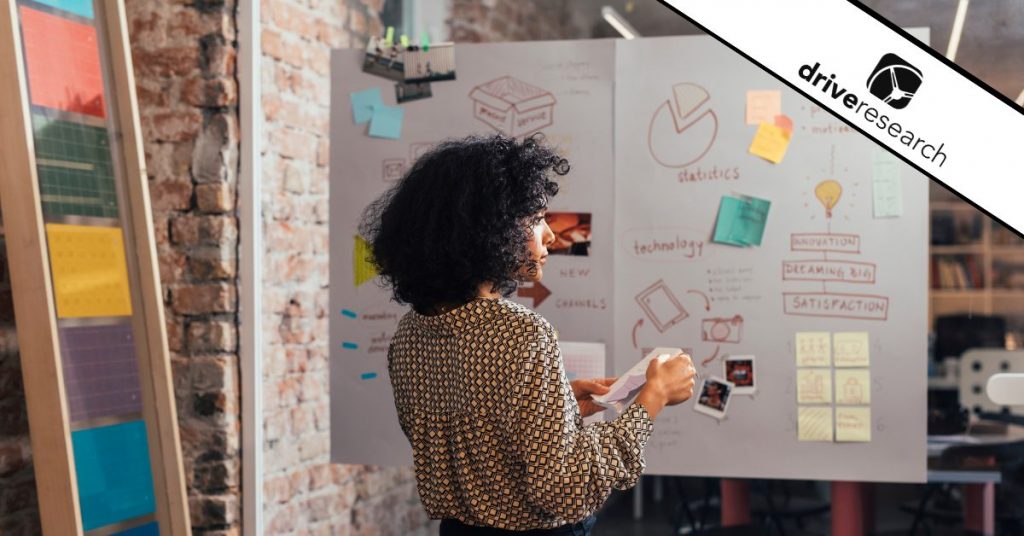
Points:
(387, 122)
(149, 529)
(364, 103)
(741, 221)
(81, 8)
(115, 481)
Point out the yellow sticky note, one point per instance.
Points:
(814, 423)
(813, 349)
(851, 349)
(814, 386)
(90, 275)
(770, 143)
(763, 106)
(362, 267)
(853, 386)
(853, 424)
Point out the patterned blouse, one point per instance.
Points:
(496, 433)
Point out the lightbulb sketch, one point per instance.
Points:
(828, 193)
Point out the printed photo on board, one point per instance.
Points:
(714, 397)
(436, 63)
(572, 233)
(739, 369)
(384, 60)
(408, 91)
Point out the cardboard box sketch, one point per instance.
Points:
(512, 106)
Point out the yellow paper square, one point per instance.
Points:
(814, 349)
(90, 276)
(853, 386)
(363, 268)
(814, 423)
(851, 349)
(763, 106)
(770, 143)
(853, 424)
(814, 386)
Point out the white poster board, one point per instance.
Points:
(680, 144)
(570, 101)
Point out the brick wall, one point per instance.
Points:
(304, 492)
(478, 21)
(184, 57)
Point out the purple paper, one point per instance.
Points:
(101, 373)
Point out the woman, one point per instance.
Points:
(478, 380)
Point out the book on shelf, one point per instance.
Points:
(957, 272)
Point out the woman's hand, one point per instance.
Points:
(583, 390)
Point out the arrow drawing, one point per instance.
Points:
(707, 302)
(536, 291)
(711, 358)
(639, 323)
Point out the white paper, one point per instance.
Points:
(629, 384)
(886, 186)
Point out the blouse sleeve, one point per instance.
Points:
(571, 470)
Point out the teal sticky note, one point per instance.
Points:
(741, 221)
(364, 103)
(387, 122)
(82, 8)
(115, 481)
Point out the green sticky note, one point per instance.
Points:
(363, 104)
(741, 221)
(425, 41)
(389, 37)
(386, 122)
(404, 40)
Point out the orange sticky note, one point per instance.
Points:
(785, 123)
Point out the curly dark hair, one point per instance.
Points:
(461, 217)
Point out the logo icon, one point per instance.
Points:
(894, 81)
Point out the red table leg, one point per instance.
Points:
(735, 502)
(980, 508)
(849, 516)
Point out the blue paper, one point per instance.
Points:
(364, 103)
(78, 7)
(115, 481)
(386, 122)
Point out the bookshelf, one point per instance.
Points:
(976, 265)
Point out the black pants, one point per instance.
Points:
(454, 527)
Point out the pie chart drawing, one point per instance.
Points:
(683, 127)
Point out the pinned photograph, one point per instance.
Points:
(740, 370)
(430, 64)
(384, 60)
(714, 397)
(572, 233)
(410, 91)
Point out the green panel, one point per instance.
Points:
(76, 176)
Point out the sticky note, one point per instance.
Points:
(62, 62)
(115, 482)
(785, 123)
(853, 424)
(813, 349)
(362, 267)
(853, 387)
(404, 40)
(814, 423)
(851, 349)
(770, 143)
(90, 276)
(386, 122)
(82, 8)
(364, 103)
(887, 189)
(741, 221)
(814, 386)
(763, 106)
(389, 36)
